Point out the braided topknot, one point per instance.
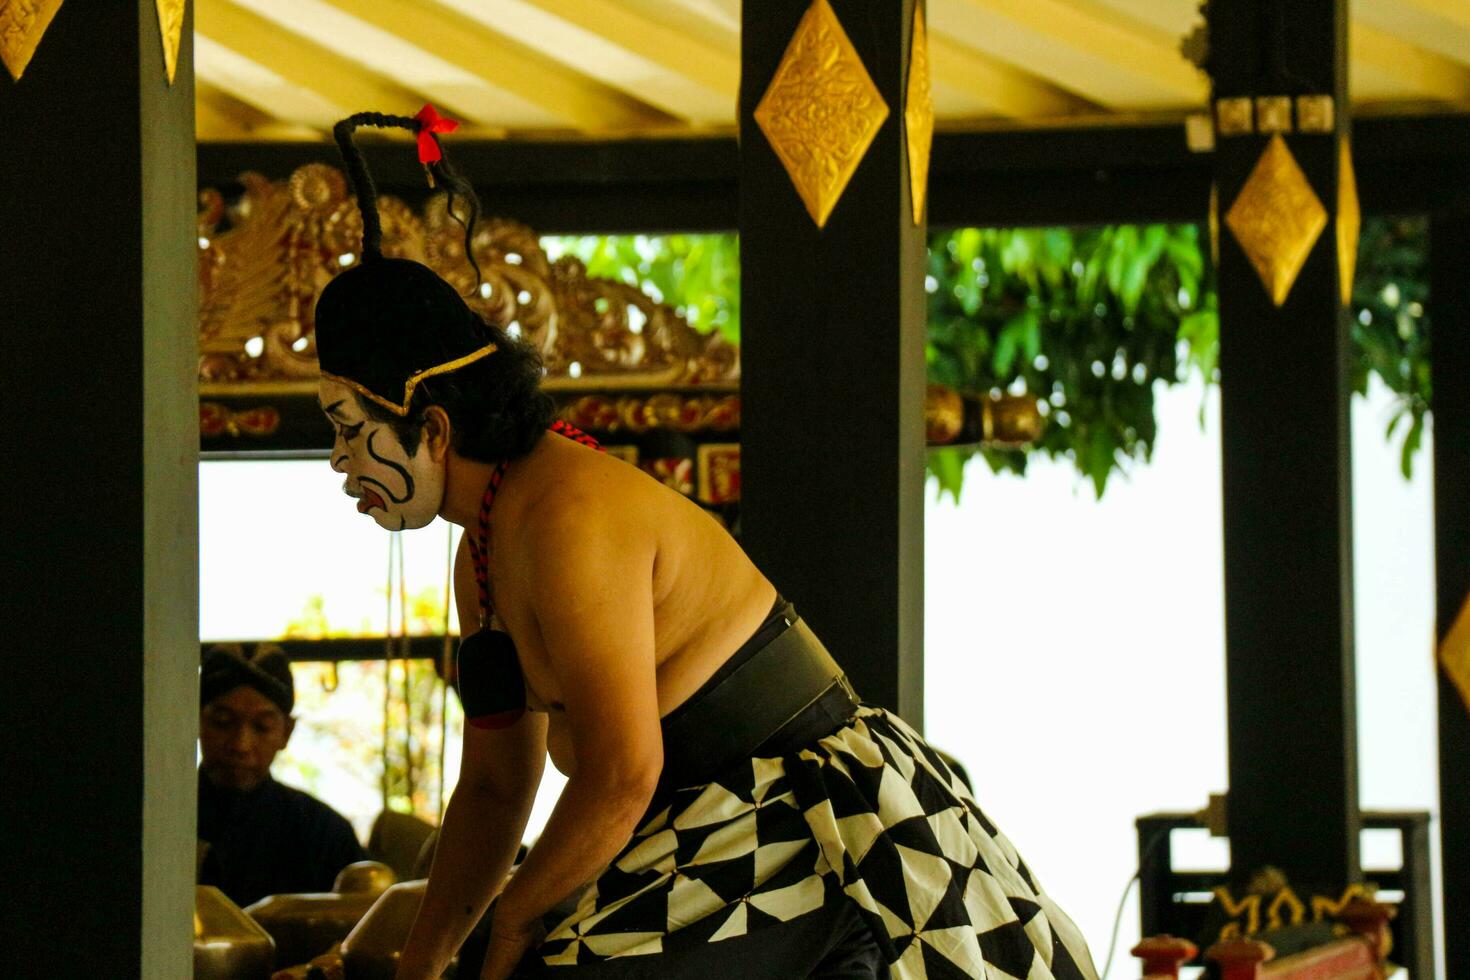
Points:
(441, 174)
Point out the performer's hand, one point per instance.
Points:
(508, 944)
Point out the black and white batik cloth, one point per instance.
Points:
(869, 814)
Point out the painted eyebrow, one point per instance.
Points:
(332, 408)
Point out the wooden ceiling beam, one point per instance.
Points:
(1440, 26)
(344, 84)
(580, 101)
(1000, 88)
(220, 116)
(1078, 48)
(1421, 74)
(676, 51)
(212, 124)
(660, 65)
(260, 88)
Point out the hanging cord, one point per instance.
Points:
(387, 666)
(427, 126)
(446, 654)
(405, 665)
(1148, 852)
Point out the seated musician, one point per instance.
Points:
(259, 837)
(731, 809)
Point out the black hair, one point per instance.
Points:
(441, 174)
(497, 410)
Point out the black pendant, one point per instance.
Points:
(489, 680)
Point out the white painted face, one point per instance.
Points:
(400, 490)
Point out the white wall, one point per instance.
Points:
(1075, 649)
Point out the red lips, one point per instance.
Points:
(368, 501)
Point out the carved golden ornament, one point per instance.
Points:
(1248, 909)
(1277, 219)
(1273, 114)
(1010, 420)
(821, 110)
(1234, 117)
(264, 260)
(1349, 221)
(918, 115)
(1315, 113)
(1277, 906)
(171, 27)
(1199, 132)
(1454, 653)
(944, 415)
(660, 412)
(719, 472)
(22, 25)
(1285, 910)
(217, 420)
(1325, 908)
(1214, 223)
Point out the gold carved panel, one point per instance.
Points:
(22, 25)
(821, 110)
(918, 115)
(1277, 219)
(264, 259)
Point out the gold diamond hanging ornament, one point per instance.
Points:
(918, 115)
(821, 110)
(1277, 219)
(22, 24)
(1214, 223)
(1349, 221)
(171, 26)
(1454, 653)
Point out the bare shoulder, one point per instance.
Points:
(592, 492)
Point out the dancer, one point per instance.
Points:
(732, 809)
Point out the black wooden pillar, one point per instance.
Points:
(1280, 70)
(97, 270)
(833, 359)
(1449, 298)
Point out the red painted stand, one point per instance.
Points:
(1163, 956)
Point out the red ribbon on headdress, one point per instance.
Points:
(430, 122)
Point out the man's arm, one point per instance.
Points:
(483, 822)
(592, 594)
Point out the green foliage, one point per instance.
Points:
(698, 275)
(1391, 328)
(1085, 320)
(1090, 321)
(383, 746)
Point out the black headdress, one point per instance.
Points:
(227, 666)
(387, 324)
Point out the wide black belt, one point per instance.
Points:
(783, 690)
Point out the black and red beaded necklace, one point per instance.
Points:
(488, 669)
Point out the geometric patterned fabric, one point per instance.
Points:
(869, 814)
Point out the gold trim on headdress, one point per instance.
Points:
(412, 381)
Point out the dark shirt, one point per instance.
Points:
(272, 840)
